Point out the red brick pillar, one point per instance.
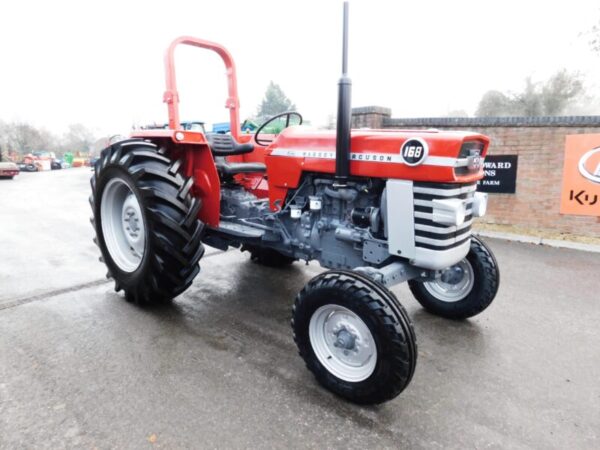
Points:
(370, 116)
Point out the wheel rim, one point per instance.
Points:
(343, 343)
(452, 284)
(123, 225)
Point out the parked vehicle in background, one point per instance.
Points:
(43, 159)
(36, 162)
(56, 164)
(27, 167)
(80, 162)
(8, 169)
(68, 159)
(224, 127)
(188, 126)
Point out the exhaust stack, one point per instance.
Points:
(344, 113)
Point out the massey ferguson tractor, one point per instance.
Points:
(374, 207)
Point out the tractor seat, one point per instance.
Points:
(229, 169)
(223, 145)
(226, 145)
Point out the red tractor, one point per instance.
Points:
(376, 207)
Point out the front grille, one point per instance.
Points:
(433, 235)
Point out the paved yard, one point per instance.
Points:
(80, 367)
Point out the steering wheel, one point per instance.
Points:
(287, 115)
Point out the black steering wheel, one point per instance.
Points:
(287, 115)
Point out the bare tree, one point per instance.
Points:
(495, 103)
(594, 38)
(550, 98)
(559, 91)
(4, 136)
(457, 113)
(24, 138)
(78, 139)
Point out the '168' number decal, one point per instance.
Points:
(414, 151)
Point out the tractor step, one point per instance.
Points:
(240, 230)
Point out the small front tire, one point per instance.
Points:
(354, 336)
(463, 290)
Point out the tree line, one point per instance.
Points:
(21, 138)
(562, 93)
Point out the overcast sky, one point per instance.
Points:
(101, 62)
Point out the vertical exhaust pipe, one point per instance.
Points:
(344, 113)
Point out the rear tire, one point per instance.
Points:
(467, 297)
(354, 336)
(145, 221)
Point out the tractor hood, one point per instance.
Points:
(418, 155)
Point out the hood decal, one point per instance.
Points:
(390, 158)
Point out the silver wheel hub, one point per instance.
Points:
(452, 284)
(453, 275)
(123, 225)
(343, 343)
(345, 340)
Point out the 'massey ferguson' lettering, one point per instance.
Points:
(393, 158)
(371, 157)
(317, 154)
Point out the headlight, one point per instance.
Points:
(449, 211)
(470, 158)
(479, 204)
(471, 147)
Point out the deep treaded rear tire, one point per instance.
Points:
(387, 321)
(173, 232)
(485, 287)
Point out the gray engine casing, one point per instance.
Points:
(326, 231)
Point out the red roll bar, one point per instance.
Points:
(171, 96)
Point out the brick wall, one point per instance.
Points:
(540, 144)
(370, 116)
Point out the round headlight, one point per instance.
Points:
(479, 204)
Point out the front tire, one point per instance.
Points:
(463, 290)
(354, 336)
(145, 221)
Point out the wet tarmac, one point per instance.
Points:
(82, 368)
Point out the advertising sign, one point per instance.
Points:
(500, 174)
(581, 175)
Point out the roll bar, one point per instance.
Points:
(171, 96)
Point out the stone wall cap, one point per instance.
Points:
(540, 121)
(372, 110)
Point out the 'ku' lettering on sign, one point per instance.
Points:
(582, 198)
